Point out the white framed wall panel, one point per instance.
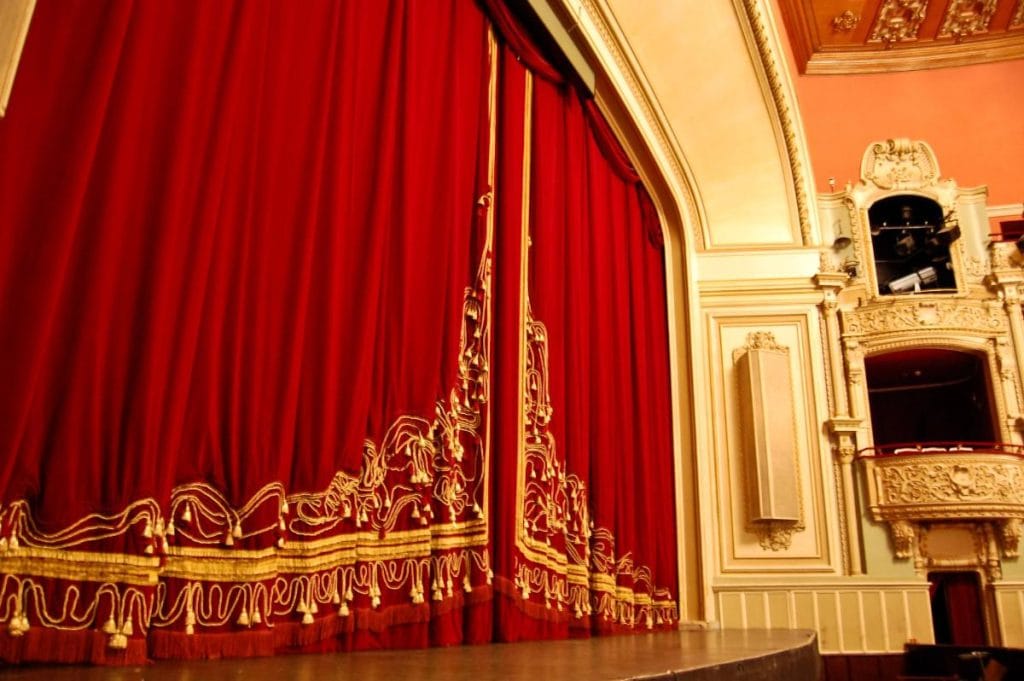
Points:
(812, 547)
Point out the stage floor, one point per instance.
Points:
(691, 655)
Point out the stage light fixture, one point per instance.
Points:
(915, 281)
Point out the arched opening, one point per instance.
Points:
(926, 395)
(910, 241)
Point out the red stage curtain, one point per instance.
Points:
(593, 524)
(246, 254)
(239, 261)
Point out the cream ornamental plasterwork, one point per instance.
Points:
(900, 163)
(975, 547)
(1003, 256)
(898, 21)
(981, 317)
(909, 489)
(939, 482)
(760, 340)
(965, 18)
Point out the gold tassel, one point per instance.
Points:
(187, 515)
(257, 618)
(237, 532)
(109, 627)
(243, 619)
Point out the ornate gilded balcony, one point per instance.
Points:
(946, 481)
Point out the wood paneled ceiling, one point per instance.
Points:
(871, 36)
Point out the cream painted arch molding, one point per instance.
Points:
(709, 89)
(15, 16)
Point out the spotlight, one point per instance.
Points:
(914, 281)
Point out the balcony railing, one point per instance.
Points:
(947, 447)
(946, 481)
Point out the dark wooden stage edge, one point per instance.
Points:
(685, 655)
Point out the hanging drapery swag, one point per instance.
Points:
(281, 370)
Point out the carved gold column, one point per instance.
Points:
(1006, 279)
(842, 427)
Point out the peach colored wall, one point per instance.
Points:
(972, 116)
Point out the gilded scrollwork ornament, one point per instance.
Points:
(965, 18)
(1017, 20)
(898, 21)
(845, 21)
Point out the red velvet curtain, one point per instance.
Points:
(246, 304)
(239, 261)
(595, 518)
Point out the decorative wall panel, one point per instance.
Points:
(802, 542)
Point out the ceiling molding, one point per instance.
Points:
(877, 36)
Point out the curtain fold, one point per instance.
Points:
(595, 523)
(282, 371)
